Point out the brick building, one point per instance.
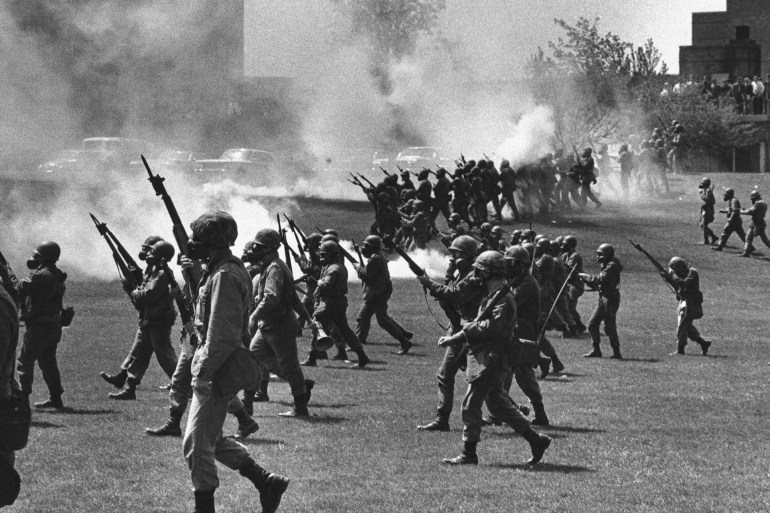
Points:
(734, 42)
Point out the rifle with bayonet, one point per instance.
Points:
(367, 181)
(129, 271)
(416, 269)
(287, 251)
(358, 252)
(301, 241)
(661, 270)
(192, 275)
(186, 312)
(384, 171)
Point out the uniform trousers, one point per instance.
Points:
(756, 231)
(379, 309)
(606, 312)
(39, 345)
(490, 387)
(151, 338)
(333, 318)
(276, 350)
(729, 230)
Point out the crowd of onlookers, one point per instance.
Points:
(749, 95)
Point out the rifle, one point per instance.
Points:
(192, 276)
(358, 251)
(462, 159)
(556, 300)
(128, 269)
(186, 311)
(441, 237)
(286, 248)
(658, 266)
(367, 181)
(415, 174)
(416, 269)
(485, 314)
(347, 255)
(385, 171)
(399, 169)
(300, 241)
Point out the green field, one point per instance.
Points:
(651, 433)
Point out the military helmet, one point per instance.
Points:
(755, 195)
(441, 171)
(570, 242)
(466, 245)
(705, 182)
(607, 250)
(391, 180)
(163, 249)
(730, 192)
(485, 227)
(555, 245)
(678, 265)
(216, 228)
(527, 234)
(331, 231)
(374, 242)
(490, 261)
(497, 230)
(418, 204)
(423, 175)
(505, 163)
(516, 233)
(660, 143)
(455, 218)
(329, 237)
(314, 239)
(587, 151)
(152, 239)
(529, 248)
(405, 174)
(518, 254)
(328, 248)
(48, 250)
(559, 239)
(268, 238)
(544, 243)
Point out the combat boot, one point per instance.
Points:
(489, 420)
(300, 408)
(541, 419)
(440, 423)
(310, 361)
(558, 367)
(246, 425)
(271, 486)
(116, 380)
(545, 366)
(309, 384)
(54, 402)
(248, 402)
(170, 428)
(467, 457)
(593, 354)
(127, 394)
(363, 360)
(341, 354)
(538, 444)
(405, 347)
(704, 346)
(261, 395)
(204, 502)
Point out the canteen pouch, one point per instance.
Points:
(67, 315)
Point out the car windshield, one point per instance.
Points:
(247, 155)
(425, 153)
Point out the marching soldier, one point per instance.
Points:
(155, 303)
(312, 272)
(757, 212)
(441, 196)
(508, 187)
(626, 161)
(684, 277)
(377, 291)
(460, 299)
(734, 222)
(406, 181)
(419, 225)
(706, 193)
(331, 302)
(460, 195)
(424, 187)
(490, 357)
(587, 177)
(41, 294)
(221, 366)
(575, 288)
(608, 284)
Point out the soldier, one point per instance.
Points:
(419, 225)
(684, 278)
(660, 162)
(489, 360)
(441, 193)
(734, 222)
(587, 177)
(491, 178)
(155, 303)
(608, 284)
(460, 299)
(559, 275)
(508, 188)
(221, 365)
(496, 240)
(460, 195)
(575, 288)
(546, 182)
(331, 302)
(424, 187)
(626, 161)
(544, 263)
(377, 289)
(406, 181)
(515, 238)
(40, 295)
(312, 272)
(757, 228)
(706, 192)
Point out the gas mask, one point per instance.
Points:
(367, 251)
(34, 262)
(197, 250)
(143, 253)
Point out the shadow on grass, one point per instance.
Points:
(642, 360)
(324, 419)
(316, 405)
(544, 467)
(43, 424)
(571, 429)
(79, 411)
(260, 441)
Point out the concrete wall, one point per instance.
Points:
(710, 29)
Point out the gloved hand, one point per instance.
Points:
(457, 338)
(425, 281)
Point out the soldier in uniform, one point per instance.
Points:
(660, 162)
(575, 288)
(685, 280)
(459, 298)
(490, 355)
(626, 161)
(608, 284)
(496, 240)
(734, 222)
(588, 177)
(706, 192)
(491, 178)
(155, 303)
(221, 365)
(377, 289)
(312, 272)
(41, 294)
(424, 187)
(460, 195)
(419, 225)
(331, 302)
(441, 196)
(406, 181)
(508, 187)
(757, 212)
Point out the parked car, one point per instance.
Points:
(418, 157)
(69, 161)
(117, 152)
(238, 164)
(168, 160)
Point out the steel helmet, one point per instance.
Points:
(216, 228)
(705, 182)
(485, 227)
(517, 254)
(418, 204)
(466, 245)
(755, 195)
(570, 242)
(329, 238)
(328, 248)
(455, 218)
(313, 240)
(331, 231)
(163, 249)
(490, 261)
(607, 250)
(374, 242)
(555, 245)
(268, 238)
(678, 265)
(497, 230)
(48, 250)
(152, 239)
(544, 243)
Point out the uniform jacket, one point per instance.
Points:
(10, 315)
(276, 297)
(757, 211)
(222, 318)
(608, 281)
(734, 212)
(375, 279)
(688, 289)
(707, 201)
(153, 298)
(587, 174)
(464, 293)
(424, 189)
(574, 260)
(490, 341)
(442, 189)
(527, 297)
(507, 179)
(545, 267)
(41, 294)
(332, 287)
(626, 160)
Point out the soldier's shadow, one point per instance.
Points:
(43, 424)
(544, 467)
(80, 411)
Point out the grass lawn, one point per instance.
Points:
(651, 433)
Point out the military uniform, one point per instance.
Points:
(608, 284)
(734, 223)
(9, 338)
(707, 214)
(41, 294)
(575, 288)
(441, 197)
(690, 307)
(757, 228)
(508, 187)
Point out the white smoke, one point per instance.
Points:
(530, 139)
